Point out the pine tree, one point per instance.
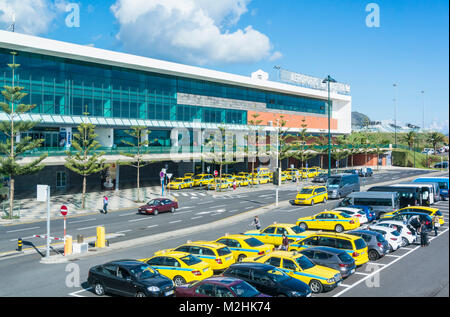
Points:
(9, 163)
(86, 160)
(140, 135)
(303, 153)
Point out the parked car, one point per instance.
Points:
(157, 205)
(409, 196)
(377, 244)
(381, 202)
(354, 212)
(370, 214)
(332, 258)
(365, 172)
(341, 185)
(218, 287)
(412, 220)
(129, 278)
(321, 178)
(392, 236)
(268, 279)
(442, 181)
(351, 171)
(405, 233)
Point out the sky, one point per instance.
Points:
(405, 42)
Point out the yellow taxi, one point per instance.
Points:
(218, 255)
(307, 173)
(329, 220)
(189, 175)
(221, 183)
(180, 267)
(310, 195)
(319, 278)
(293, 172)
(242, 181)
(314, 170)
(203, 179)
(262, 171)
(426, 210)
(253, 180)
(243, 174)
(179, 183)
(352, 244)
(287, 174)
(273, 234)
(229, 176)
(264, 179)
(243, 246)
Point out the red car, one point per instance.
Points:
(218, 287)
(157, 205)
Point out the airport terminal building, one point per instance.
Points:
(70, 84)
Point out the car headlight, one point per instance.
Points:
(153, 289)
(330, 280)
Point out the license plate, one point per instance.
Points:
(168, 293)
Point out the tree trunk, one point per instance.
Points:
(83, 194)
(138, 187)
(11, 196)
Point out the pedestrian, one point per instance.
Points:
(234, 184)
(436, 224)
(256, 223)
(105, 205)
(423, 234)
(285, 243)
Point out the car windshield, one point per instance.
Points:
(334, 181)
(190, 260)
(178, 180)
(142, 272)
(153, 202)
(297, 229)
(244, 289)
(253, 242)
(277, 275)
(223, 251)
(304, 262)
(306, 191)
(198, 177)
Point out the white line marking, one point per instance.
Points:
(184, 212)
(22, 229)
(344, 285)
(152, 226)
(124, 231)
(89, 227)
(175, 221)
(83, 290)
(361, 273)
(140, 219)
(129, 214)
(78, 221)
(220, 206)
(184, 194)
(196, 217)
(394, 256)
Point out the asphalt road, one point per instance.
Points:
(411, 271)
(194, 209)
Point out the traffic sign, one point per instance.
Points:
(169, 176)
(64, 210)
(216, 173)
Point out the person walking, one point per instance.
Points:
(423, 234)
(285, 243)
(436, 224)
(234, 184)
(105, 204)
(256, 223)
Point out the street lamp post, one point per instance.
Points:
(395, 114)
(329, 80)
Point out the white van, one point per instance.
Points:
(427, 191)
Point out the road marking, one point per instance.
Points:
(220, 206)
(204, 213)
(184, 194)
(129, 214)
(175, 221)
(184, 212)
(344, 285)
(394, 256)
(233, 210)
(192, 194)
(243, 202)
(22, 229)
(89, 227)
(361, 273)
(83, 290)
(196, 217)
(140, 219)
(152, 226)
(78, 221)
(206, 202)
(30, 237)
(124, 231)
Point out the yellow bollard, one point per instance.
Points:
(68, 245)
(100, 243)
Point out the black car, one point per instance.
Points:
(332, 258)
(268, 279)
(376, 243)
(321, 178)
(365, 172)
(129, 278)
(351, 172)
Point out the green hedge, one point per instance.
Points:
(405, 158)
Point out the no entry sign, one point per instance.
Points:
(64, 210)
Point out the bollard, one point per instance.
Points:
(68, 245)
(100, 242)
(19, 244)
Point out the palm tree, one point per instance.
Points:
(410, 138)
(435, 138)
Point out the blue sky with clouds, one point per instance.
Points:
(320, 37)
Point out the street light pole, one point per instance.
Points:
(329, 80)
(395, 114)
(423, 110)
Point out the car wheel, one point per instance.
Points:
(405, 242)
(172, 210)
(373, 255)
(339, 228)
(303, 226)
(155, 212)
(179, 280)
(99, 289)
(316, 286)
(241, 257)
(140, 294)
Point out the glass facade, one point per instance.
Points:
(68, 87)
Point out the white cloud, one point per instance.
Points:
(32, 16)
(438, 125)
(196, 31)
(275, 56)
